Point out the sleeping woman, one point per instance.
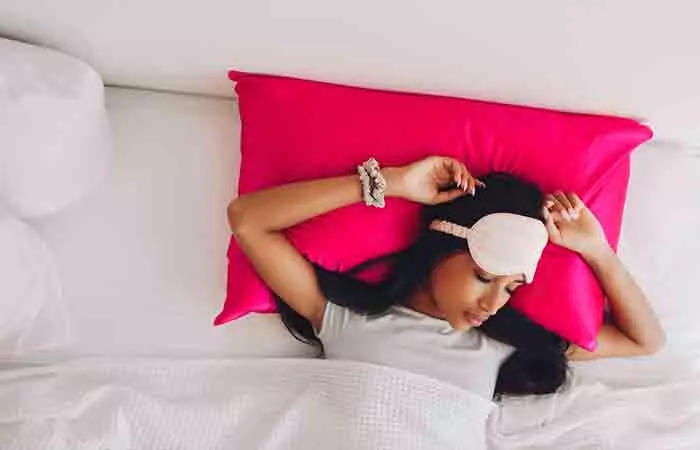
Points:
(443, 309)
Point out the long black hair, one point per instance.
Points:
(537, 366)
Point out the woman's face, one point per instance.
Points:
(466, 295)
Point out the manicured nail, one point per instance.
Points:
(472, 192)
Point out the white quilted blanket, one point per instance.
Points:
(136, 404)
(271, 404)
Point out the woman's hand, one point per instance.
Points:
(572, 225)
(433, 180)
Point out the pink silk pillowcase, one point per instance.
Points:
(296, 130)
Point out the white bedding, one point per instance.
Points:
(142, 263)
(245, 404)
(315, 404)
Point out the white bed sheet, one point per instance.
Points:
(143, 258)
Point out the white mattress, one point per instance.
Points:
(143, 258)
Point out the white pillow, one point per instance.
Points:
(32, 312)
(54, 133)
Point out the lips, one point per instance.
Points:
(475, 320)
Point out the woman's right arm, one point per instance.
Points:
(257, 221)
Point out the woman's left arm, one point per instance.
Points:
(635, 329)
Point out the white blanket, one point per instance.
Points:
(244, 404)
(158, 404)
(595, 416)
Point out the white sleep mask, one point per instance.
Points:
(502, 243)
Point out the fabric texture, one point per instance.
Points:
(412, 341)
(55, 143)
(129, 403)
(270, 404)
(295, 130)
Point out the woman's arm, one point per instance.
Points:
(257, 221)
(635, 329)
(282, 207)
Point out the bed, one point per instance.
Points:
(142, 266)
(126, 357)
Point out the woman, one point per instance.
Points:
(440, 312)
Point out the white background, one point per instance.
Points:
(635, 58)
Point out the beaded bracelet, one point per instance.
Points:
(373, 183)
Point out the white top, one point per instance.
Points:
(412, 341)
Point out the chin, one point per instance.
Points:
(464, 327)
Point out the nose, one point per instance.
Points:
(490, 304)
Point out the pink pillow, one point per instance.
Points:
(295, 130)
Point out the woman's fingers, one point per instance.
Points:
(552, 230)
(470, 184)
(576, 202)
(456, 171)
(556, 208)
(462, 178)
(568, 205)
(447, 166)
(465, 181)
(566, 209)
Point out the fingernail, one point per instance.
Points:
(473, 192)
(565, 214)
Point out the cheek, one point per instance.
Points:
(453, 289)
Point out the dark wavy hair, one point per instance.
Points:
(537, 366)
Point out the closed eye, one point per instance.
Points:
(487, 280)
(482, 279)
